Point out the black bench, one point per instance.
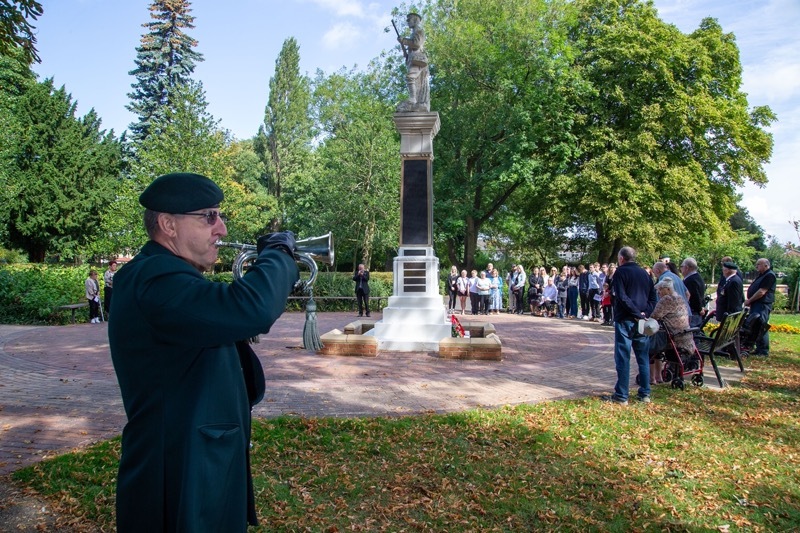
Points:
(73, 308)
(724, 341)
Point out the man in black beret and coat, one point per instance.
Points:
(188, 382)
(730, 291)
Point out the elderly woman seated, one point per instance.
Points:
(673, 313)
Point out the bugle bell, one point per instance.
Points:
(308, 251)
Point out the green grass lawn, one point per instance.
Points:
(694, 460)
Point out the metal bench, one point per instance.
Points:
(73, 308)
(723, 341)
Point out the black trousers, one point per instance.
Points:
(519, 301)
(475, 303)
(584, 303)
(452, 303)
(107, 299)
(94, 309)
(363, 301)
(594, 304)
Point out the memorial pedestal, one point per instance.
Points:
(415, 318)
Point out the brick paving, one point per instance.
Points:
(58, 390)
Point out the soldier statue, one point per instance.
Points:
(419, 92)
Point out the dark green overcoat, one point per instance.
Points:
(184, 464)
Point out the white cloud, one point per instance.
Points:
(774, 205)
(775, 79)
(342, 36)
(770, 214)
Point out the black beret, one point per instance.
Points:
(731, 265)
(181, 192)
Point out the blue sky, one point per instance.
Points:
(89, 46)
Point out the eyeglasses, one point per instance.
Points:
(210, 216)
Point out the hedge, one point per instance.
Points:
(32, 293)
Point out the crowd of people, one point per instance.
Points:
(621, 295)
(582, 292)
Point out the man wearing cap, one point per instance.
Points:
(635, 299)
(188, 382)
(760, 297)
(730, 293)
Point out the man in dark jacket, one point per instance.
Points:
(730, 294)
(361, 277)
(635, 299)
(186, 388)
(760, 297)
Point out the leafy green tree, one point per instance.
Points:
(165, 62)
(709, 249)
(741, 220)
(284, 140)
(500, 84)
(60, 174)
(358, 188)
(16, 30)
(775, 251)
(665, 133)
(15, 78)
(248, 204)
(191, 140)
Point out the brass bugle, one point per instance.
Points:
(307, 251)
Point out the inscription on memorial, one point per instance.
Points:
(414, 277)
(416, 204)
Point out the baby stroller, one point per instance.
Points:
(678, 363)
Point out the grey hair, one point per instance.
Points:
(151, 223)
(666, 283)
(627, 253)
(690, 263)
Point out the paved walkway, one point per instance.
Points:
(58, 390)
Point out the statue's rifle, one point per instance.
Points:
(402, 46)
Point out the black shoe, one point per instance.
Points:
(359, 315)
(368, 315)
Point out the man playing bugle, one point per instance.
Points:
(188, 383)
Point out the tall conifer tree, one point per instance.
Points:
(284, 140)
(165, 62)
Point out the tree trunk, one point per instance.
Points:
(604, 245)
(36, 253)
(451, 253)
(470, 244)
(607, 249)
(369, 236)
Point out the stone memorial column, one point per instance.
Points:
(415, 318)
